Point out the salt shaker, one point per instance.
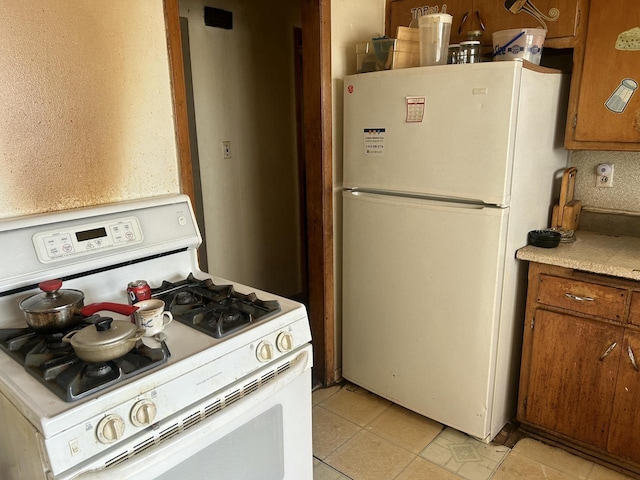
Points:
(619, 99)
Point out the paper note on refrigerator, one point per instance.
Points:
(415, 109)
(374, 141)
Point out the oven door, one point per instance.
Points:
(264, 435)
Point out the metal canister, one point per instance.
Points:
(138, 290)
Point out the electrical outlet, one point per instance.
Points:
(604, 175)
(226, 149)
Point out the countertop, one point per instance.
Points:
(615, 255)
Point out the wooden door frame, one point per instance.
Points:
(316, 38)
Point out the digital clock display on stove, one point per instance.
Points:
(91, 234)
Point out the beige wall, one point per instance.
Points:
(243, 83)
(352, 21)
(86, 112)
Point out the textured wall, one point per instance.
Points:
(86, 112)
(623, 195)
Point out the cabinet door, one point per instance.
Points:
(608, 102)
(565, 12)
(399, 15)
(465, 19)
(492, 15)
(634, 309)
(625, 421)
(574, 363)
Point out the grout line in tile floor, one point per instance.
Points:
(358, 435)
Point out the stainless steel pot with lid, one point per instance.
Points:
(105, 340)
(54, 309)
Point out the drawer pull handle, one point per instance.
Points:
(577, 298)
(608, 351)
(632, 357)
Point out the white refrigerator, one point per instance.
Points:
(446, 169)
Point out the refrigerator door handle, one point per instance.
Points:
(418, 199)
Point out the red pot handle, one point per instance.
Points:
(120, 308)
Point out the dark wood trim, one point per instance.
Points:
(176, 67)
(316, 44)
(302, 176)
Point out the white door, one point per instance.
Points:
(421, 296)
(463, 144)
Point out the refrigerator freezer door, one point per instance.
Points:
(420, 304)
(463, 146)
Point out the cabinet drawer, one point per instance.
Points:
(634, 310)
(583, 297)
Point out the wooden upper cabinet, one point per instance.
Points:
(604, 107)
(561, 32)
(492, 15)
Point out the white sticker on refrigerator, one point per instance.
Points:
(374, 141)
(415, 109)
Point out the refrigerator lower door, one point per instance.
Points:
(422, 281)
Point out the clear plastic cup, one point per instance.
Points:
(434, 34)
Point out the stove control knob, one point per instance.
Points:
(264, 352)
(110, 428)
(284, 342)
(143, 413)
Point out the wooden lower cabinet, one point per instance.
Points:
(566, 350)
(580, 372)
(625, 419)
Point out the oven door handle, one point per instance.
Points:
(161, 457)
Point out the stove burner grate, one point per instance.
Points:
(217, 310)
(55, 364)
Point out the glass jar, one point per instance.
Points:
(452, 56)
(469, 52)
(474, 35)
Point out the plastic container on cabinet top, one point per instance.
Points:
(525, 43)
(434, 33)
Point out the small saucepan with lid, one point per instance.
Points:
(56, 309)
(105, 340)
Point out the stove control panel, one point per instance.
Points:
(77, 241)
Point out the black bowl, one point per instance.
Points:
(544, 238)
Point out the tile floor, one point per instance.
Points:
(360, 436)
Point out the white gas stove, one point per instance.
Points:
(183, 416)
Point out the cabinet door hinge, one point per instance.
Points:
(575, 120)
(524, 403)
(533, 321)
